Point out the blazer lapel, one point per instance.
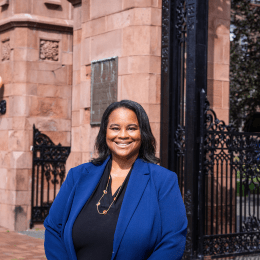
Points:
(85, 187)
(134, 191)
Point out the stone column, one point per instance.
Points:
(218, 96)
(36, 67)
(219, 57)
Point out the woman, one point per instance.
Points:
(121, 205)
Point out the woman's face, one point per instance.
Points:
(123, 134)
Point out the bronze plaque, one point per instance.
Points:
(104, 77)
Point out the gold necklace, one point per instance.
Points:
(104, 193)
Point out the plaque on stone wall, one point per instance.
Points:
(104, 75)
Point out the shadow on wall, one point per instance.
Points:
(54, 7)
(4, 8)
(20, 217)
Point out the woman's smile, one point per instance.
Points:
(122, 145)
(123, 134)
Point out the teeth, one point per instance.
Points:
(122, 145)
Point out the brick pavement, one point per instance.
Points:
(14, 246)
(17, 246)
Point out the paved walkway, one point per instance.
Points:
(28, 245)
(14, 246)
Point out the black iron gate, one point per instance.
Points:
(218, 168)
(184, 49)
(48, 173)
(229, 201)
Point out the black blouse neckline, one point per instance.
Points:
(93, 233)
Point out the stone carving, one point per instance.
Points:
(49, 50)
(6, 50)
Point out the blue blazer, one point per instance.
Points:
(152, 222)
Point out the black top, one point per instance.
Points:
(93, 233)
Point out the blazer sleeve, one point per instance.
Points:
(54, 245)
(173, 221)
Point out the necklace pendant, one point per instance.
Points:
(104, 212)
(105, 192)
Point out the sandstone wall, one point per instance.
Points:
(219, 57)
(36, 67)
(131, 30)
(218, 96)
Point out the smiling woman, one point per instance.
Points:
(121, 205)
(123, 136)
(148, 144)
(123, 139)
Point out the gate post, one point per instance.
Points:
(184, 74)
(191, 126)
(201, 177)
(169, 83)
(197, 30)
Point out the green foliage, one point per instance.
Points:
(254, 189)
(244, 61)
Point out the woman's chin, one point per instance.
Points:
(124, 155)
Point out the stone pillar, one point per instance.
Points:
(218, 57)
(128, 29)
(218, 96)
(36, 67)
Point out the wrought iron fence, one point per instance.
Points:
(48, 173)
(231, 189)
(217, 167)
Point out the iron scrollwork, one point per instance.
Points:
(232, 194)
(232, 243)
(188, 244)
(211, 121)
(48, 150)
(186, 12)
(180, 141)
(181, 23)
(188, 202)
(57, 171)
(191, 12)
(251, 224)
(165, 34)
(40, 213)
(48, 174)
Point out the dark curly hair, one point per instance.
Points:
(148, 143)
